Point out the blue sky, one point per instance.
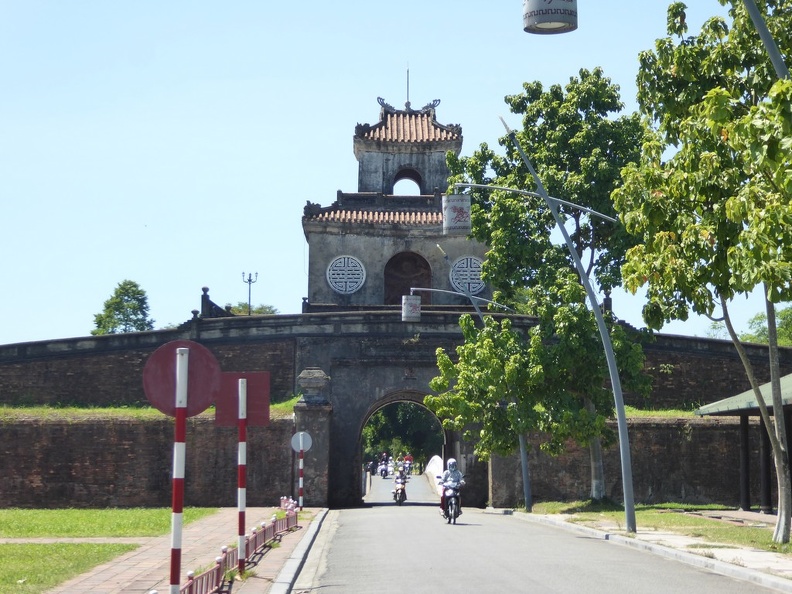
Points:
(176, 143)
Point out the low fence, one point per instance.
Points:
(212, 580)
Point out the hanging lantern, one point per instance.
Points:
(411, 308)
(546, 17)
(456, 214)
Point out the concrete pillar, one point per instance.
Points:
(312, 414)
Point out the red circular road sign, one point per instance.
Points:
(203, 378)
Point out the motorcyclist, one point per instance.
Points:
(400, 476)
(452, 474)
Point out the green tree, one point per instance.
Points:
(400, 428)
(758, 328)
(241, 309)
(127, 310)
(578, 148)
(714, 218)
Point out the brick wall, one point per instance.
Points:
(128, 463)
(673, 460)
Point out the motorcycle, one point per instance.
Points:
(383, 470)
(407, 467)
(400, 492)
(452, 506)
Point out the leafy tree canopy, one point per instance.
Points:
(127, 310)
(714, 219)
(241, 309)
(400, 428)
(553, 379)
(578, 147)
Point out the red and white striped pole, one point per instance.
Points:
(242, 473)
(179, 454)
(301, 470)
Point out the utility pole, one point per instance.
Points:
(250, 280)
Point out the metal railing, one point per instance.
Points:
(212, 580)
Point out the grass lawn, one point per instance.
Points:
(33, 568)
(673, 518)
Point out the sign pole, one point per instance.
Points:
(242, 472)
(301, 470)
(179, 454)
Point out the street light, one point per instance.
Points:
(613, 370)
(547, 17)
(250, 280)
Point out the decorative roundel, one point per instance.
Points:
(466, 275)
(346, 274)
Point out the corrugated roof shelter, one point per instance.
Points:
(744, 405)
(745, 402)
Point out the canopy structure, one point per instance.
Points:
(745, 402)
(744, 405)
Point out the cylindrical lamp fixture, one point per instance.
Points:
(546, 17)
(456, 214)
(411, 308)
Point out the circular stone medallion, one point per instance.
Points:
(465, 275)
(346, 274)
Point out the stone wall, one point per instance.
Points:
(673, 460)
(127, 463)
(108, 370)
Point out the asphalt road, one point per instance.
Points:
(386, 548)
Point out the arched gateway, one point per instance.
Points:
(366, 251)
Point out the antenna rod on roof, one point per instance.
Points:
(408, 83)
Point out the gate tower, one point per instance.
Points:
(368, 248)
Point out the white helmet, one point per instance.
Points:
(452, 465)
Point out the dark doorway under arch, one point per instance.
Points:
(403, 271)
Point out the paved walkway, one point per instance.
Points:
(147, 568)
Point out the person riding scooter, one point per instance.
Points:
(400, 479)
(450, 475)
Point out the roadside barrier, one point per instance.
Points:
(212, 580)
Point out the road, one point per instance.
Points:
(386, 548)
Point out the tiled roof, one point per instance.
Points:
(402, 126)
(379, 217)
(408, 125)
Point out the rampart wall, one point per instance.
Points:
(369, 356)
(127, 463)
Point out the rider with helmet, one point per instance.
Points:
(454, 475)
(401, 477)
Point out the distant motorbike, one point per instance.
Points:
(383, 470)
(407, 467)
(451, 491)
(400, 492)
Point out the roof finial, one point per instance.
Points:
(407, 105)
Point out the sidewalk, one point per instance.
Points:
(771, 570)
(148, 567)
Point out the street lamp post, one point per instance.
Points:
(621, 418)
(250, 280)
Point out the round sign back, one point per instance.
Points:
(301, 438)
(203, 378)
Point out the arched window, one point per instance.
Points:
(404, 271)
(407, 183)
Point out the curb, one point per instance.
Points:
(728, 569)
(288, 574)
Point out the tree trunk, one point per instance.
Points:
(781, 451)
(526, 473)
(597, 491)
(776, 431)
